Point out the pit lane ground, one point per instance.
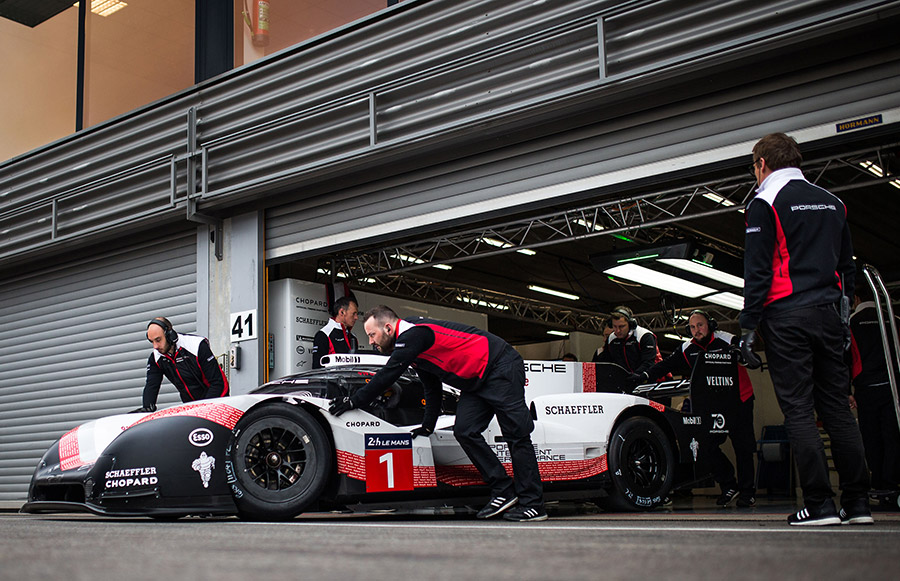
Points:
(693, 539)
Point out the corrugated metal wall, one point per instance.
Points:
(73, 348)
(403, 80)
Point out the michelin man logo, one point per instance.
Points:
(204, 465)
(695, 447)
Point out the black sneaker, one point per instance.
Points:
(497, 505)
(522, 514)
(824, 515)
(746, 501)
(856, 514)
(727, 497)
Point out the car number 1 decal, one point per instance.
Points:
(389, 463)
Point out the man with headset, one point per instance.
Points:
(336, 337)
(186, 360)
(705, 337)
(629, 345)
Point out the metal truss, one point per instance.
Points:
(645, 218)
(486, 301)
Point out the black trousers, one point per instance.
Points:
(804, 351)
(502, 393)
(880, 434)
(743, 441)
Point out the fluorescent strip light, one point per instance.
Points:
(328, 273)
(730, 300)
(480, 303)
(105, 7)
(704, 270)
(718, 199)
(659, 280)
(550, 291)
(673, 336)
(407, 258)
(586, 224)
(558, 333)
(876, 170)
(442, 266)
(499, 244)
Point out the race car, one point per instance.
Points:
(277, 452)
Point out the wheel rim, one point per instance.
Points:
(277, 455)
(643, 462)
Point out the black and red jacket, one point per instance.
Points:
(193, 370)
(683, 359)
(797, 250)
(332, 338)
(441, 352)
(637, 352)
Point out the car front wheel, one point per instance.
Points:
(281, 460)
(641, 466)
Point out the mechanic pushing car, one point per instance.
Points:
(186, 360)
(490, 375)
(706, 338)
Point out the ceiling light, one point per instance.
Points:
(876, 170)
(550, 291)
(501, 244)
(730, 300)
(558, 333)
(481, 303)
(105, 7)
(442, 266)
(659, 280)
(718, 199)
(407, 258)
(704, 269)
(596, 227)
(673, 336)
(328, 273)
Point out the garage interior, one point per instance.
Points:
(489, 266)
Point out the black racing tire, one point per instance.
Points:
(281, 460)
(641, 466)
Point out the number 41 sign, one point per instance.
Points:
(389, 462)
(243, 326)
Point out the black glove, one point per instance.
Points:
(340, 405)
(421, 431)
(751, 359)
(847, 336)
(144, 410)
(636, 379)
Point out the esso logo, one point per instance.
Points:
(200, 437)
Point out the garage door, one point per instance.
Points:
(73, 347)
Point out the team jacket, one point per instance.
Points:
(193, 370)
(797, 248)
(869, 368)
(332, 338)
(683, 359)
(440, 352)
(637, 352)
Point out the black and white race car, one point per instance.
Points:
(277, 452)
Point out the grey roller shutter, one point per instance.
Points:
(73, 348)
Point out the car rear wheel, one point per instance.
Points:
(641, 466)
(280, 460)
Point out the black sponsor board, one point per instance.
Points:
(715, 392)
